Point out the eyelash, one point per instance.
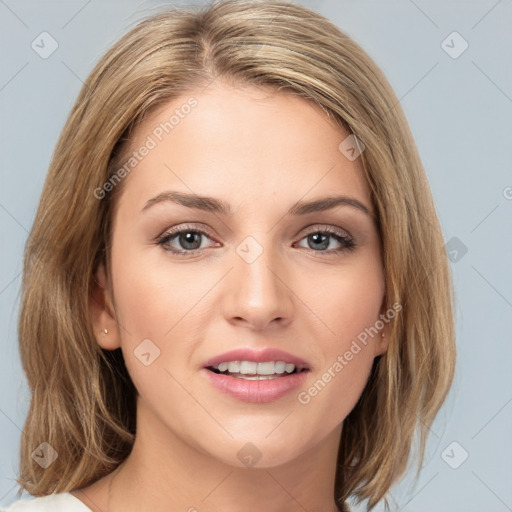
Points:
(348, 244)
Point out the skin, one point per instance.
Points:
(261, 151)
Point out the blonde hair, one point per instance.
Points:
(83, 400)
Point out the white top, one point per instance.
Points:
(60, 502)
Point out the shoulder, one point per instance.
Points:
(60, 502)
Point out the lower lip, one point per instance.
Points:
(256, 390)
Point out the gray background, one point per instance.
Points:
(459, 110)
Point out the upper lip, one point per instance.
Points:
(258, 356)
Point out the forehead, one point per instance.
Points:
(244, 144)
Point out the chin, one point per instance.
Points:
(259, 453)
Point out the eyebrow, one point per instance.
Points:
(210, 204)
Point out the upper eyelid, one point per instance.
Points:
(186, 227)
(327, 227)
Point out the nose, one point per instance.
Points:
(258, 293)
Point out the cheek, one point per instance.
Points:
(163, 302)
(151, 306)
(151, 294)
(345, 300)
(345, 337)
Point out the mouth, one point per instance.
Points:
(250, 375)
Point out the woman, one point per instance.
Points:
(235, 293)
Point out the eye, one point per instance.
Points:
(320, 240)
(190, 240)
(188, 237)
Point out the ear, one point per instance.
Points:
(382, 338)
(102, 312)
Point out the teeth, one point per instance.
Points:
(280, 367)
(248, 367)
(234, 366)
(266, 368)
(253, 368)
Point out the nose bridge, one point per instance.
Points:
(256, 257)
(258, 293)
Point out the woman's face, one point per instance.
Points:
(254, 269)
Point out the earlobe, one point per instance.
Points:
(102, 313)
(382, 342)
(382, 339)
